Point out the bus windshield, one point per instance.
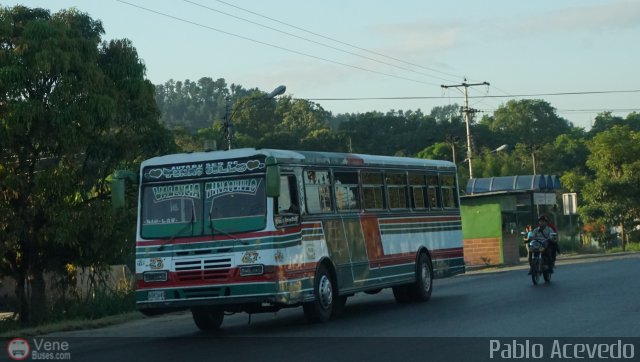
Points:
(208, 207)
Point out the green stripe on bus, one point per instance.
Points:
(220, 291)
(239, 245)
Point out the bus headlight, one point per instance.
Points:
(247, 270)
(155, 276)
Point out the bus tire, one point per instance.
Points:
(424, 279)
(402, 294)
(208, 319)
(321, 308)
(339, 304)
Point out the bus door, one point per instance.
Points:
(345, 235)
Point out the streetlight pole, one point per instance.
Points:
(228, 115)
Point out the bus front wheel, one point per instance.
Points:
(321, 308)
(208, 319)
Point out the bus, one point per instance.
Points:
(257, 230)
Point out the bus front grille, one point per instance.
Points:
(202, 293)
(203, 269)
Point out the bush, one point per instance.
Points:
(628, 247)
(102, 303)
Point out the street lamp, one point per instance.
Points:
(501, 148)
(228, 115)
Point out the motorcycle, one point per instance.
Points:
(541, 263)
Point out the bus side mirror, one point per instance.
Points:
(117, 187)
(273, 177)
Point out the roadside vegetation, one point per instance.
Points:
(75, 107)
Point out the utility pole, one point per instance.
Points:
(467, 111)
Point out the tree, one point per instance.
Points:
(605, 121)
(612, 196)
(530, 122)
(72, 109)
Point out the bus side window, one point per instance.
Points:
(317, 188)
(449, 194)
(397, 190)
(433, 190)
(288, 201)
(346, 191)
(372, 190)
(418, 191)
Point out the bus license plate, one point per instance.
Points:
(156, 295)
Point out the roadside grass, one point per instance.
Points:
(103, 309)
(9, 329)
(628, 247)
(576, 247)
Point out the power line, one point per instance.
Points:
(475, 97)
(313, 41)
(598, 110)
(592, 110)
(339, 41)
(271, 45)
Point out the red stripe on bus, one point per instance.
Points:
(354, 160)
(396, 259)
(447, 253)
(273, 273)
(418, 219)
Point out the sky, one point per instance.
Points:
(338, 53)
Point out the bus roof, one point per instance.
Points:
(303, 158)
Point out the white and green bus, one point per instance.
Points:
(257, 230)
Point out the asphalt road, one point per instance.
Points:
(587, 298)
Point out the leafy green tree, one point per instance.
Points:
(613, 196)
(72, 109)
(437, 151)
(301, 117)
(325, 140)
(568, 152)
(391, 133)
(605, 121)
(253, 117)
(533, 123)
(193, 105)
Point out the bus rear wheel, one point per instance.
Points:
(420, 290)
(321, 309)
(208, 319)
(424, 279)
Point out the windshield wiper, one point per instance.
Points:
(215, 229)
(183, 229)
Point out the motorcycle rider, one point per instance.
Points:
(544, 232)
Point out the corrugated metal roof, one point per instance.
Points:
(513, 183)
